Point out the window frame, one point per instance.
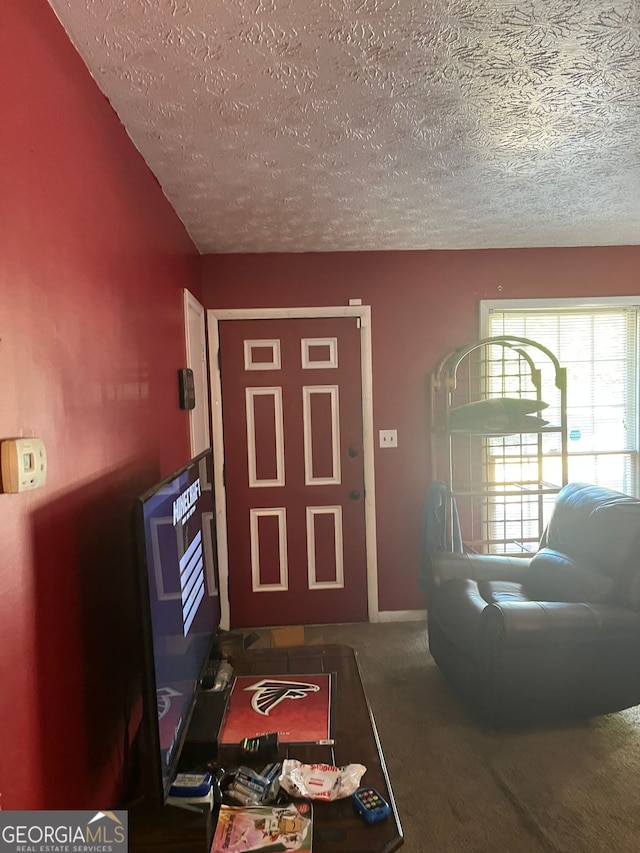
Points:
(558, 304)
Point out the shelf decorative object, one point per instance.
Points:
(498, 424)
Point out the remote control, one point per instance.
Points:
(371, 805)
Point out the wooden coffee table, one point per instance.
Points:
(337, 828)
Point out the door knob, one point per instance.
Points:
(354, 495)
(353, 452)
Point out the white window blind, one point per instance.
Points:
(598, 346)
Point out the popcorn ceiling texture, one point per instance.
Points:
(345, 125)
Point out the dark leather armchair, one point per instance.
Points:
(553, 636)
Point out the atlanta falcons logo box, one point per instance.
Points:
(297, 707)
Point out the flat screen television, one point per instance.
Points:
(180, 614)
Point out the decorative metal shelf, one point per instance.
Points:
(471, 461)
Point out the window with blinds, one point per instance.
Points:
(598, 346)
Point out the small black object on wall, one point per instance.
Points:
(186, 388)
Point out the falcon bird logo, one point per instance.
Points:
(164, 696)
(271, 691)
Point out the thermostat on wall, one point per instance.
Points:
(24, 464)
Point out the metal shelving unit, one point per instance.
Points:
(500, 483)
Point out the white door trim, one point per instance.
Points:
(363, 312)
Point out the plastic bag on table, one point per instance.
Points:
(320, 781)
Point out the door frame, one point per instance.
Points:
(363, 314)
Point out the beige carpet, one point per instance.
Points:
(461, 788)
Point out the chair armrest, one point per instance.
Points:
(458, 610)
(527, 623)
(446, 566)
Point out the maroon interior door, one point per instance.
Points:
(294, 471)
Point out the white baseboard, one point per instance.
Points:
(402, 616)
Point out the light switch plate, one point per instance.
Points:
(388, 438)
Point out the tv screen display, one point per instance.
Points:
(181, 611)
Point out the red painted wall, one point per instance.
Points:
(423, 304)
(92, 267)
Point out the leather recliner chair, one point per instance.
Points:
(553, 636)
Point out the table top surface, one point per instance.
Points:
(337, 827)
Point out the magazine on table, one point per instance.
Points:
(244, 829)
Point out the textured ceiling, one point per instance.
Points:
(318, 125)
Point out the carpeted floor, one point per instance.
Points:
(462, 788)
